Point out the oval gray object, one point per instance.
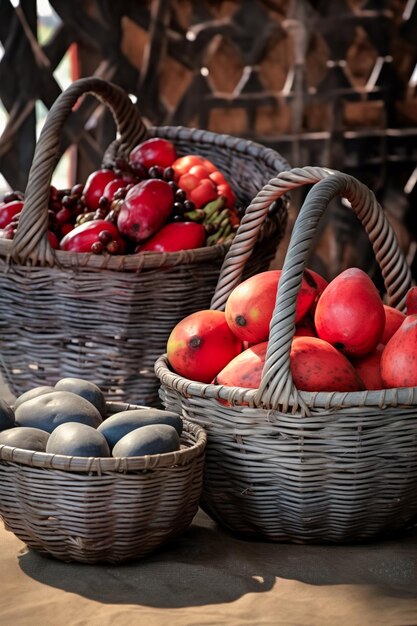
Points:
(25, 437)
(120, 424)
(75, 439)
(32, 393)
(7, 415)
(86, 389)
(57, 407)
(152, 439)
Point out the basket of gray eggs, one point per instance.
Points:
(83, 479)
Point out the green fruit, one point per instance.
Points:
(120, 424)
(57, 407)
(152, 439)
(7, 417)
(32, 393)
(85, 389)
(25, 437)
(75, 439)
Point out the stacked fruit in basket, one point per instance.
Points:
(345, 337)
(153, 201)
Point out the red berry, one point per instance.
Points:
(53, 240)
(66, 228)
(155, 151)
(97, 247)
(64, 216)
(104, 236)
(113, 247)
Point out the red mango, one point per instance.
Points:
(8, 210)
(95, 186)
(201, 344)
(145, 209)
(398, 361)
(81, 238)
(154, 151)
(350, 314)
(369, 368)
(393, 320)
(411, 301)
(176, 236)
(250, 306)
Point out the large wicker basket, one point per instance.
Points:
(106, 318)
(101, 509)
(288, 465)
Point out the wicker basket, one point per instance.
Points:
(107, 318)
(101, 509)
(299, 466)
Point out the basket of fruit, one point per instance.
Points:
(93, 278)
(310, 402)
(82, 479)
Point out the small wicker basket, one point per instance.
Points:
(289, 465)
(101, 509)
(103, 318)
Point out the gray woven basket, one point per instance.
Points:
(292, 465)
(107, 318)
(101, 509)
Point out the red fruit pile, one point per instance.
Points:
(155, 201)
(345, 339)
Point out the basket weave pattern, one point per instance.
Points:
(290, 465)
(106, 318)
(91, 510)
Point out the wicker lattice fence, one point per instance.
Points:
(324, 83)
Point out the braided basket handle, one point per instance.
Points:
(277, 387)
(30, 243)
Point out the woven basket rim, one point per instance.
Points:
(101, 465)
(325, 400)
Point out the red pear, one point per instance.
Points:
(350, 314)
